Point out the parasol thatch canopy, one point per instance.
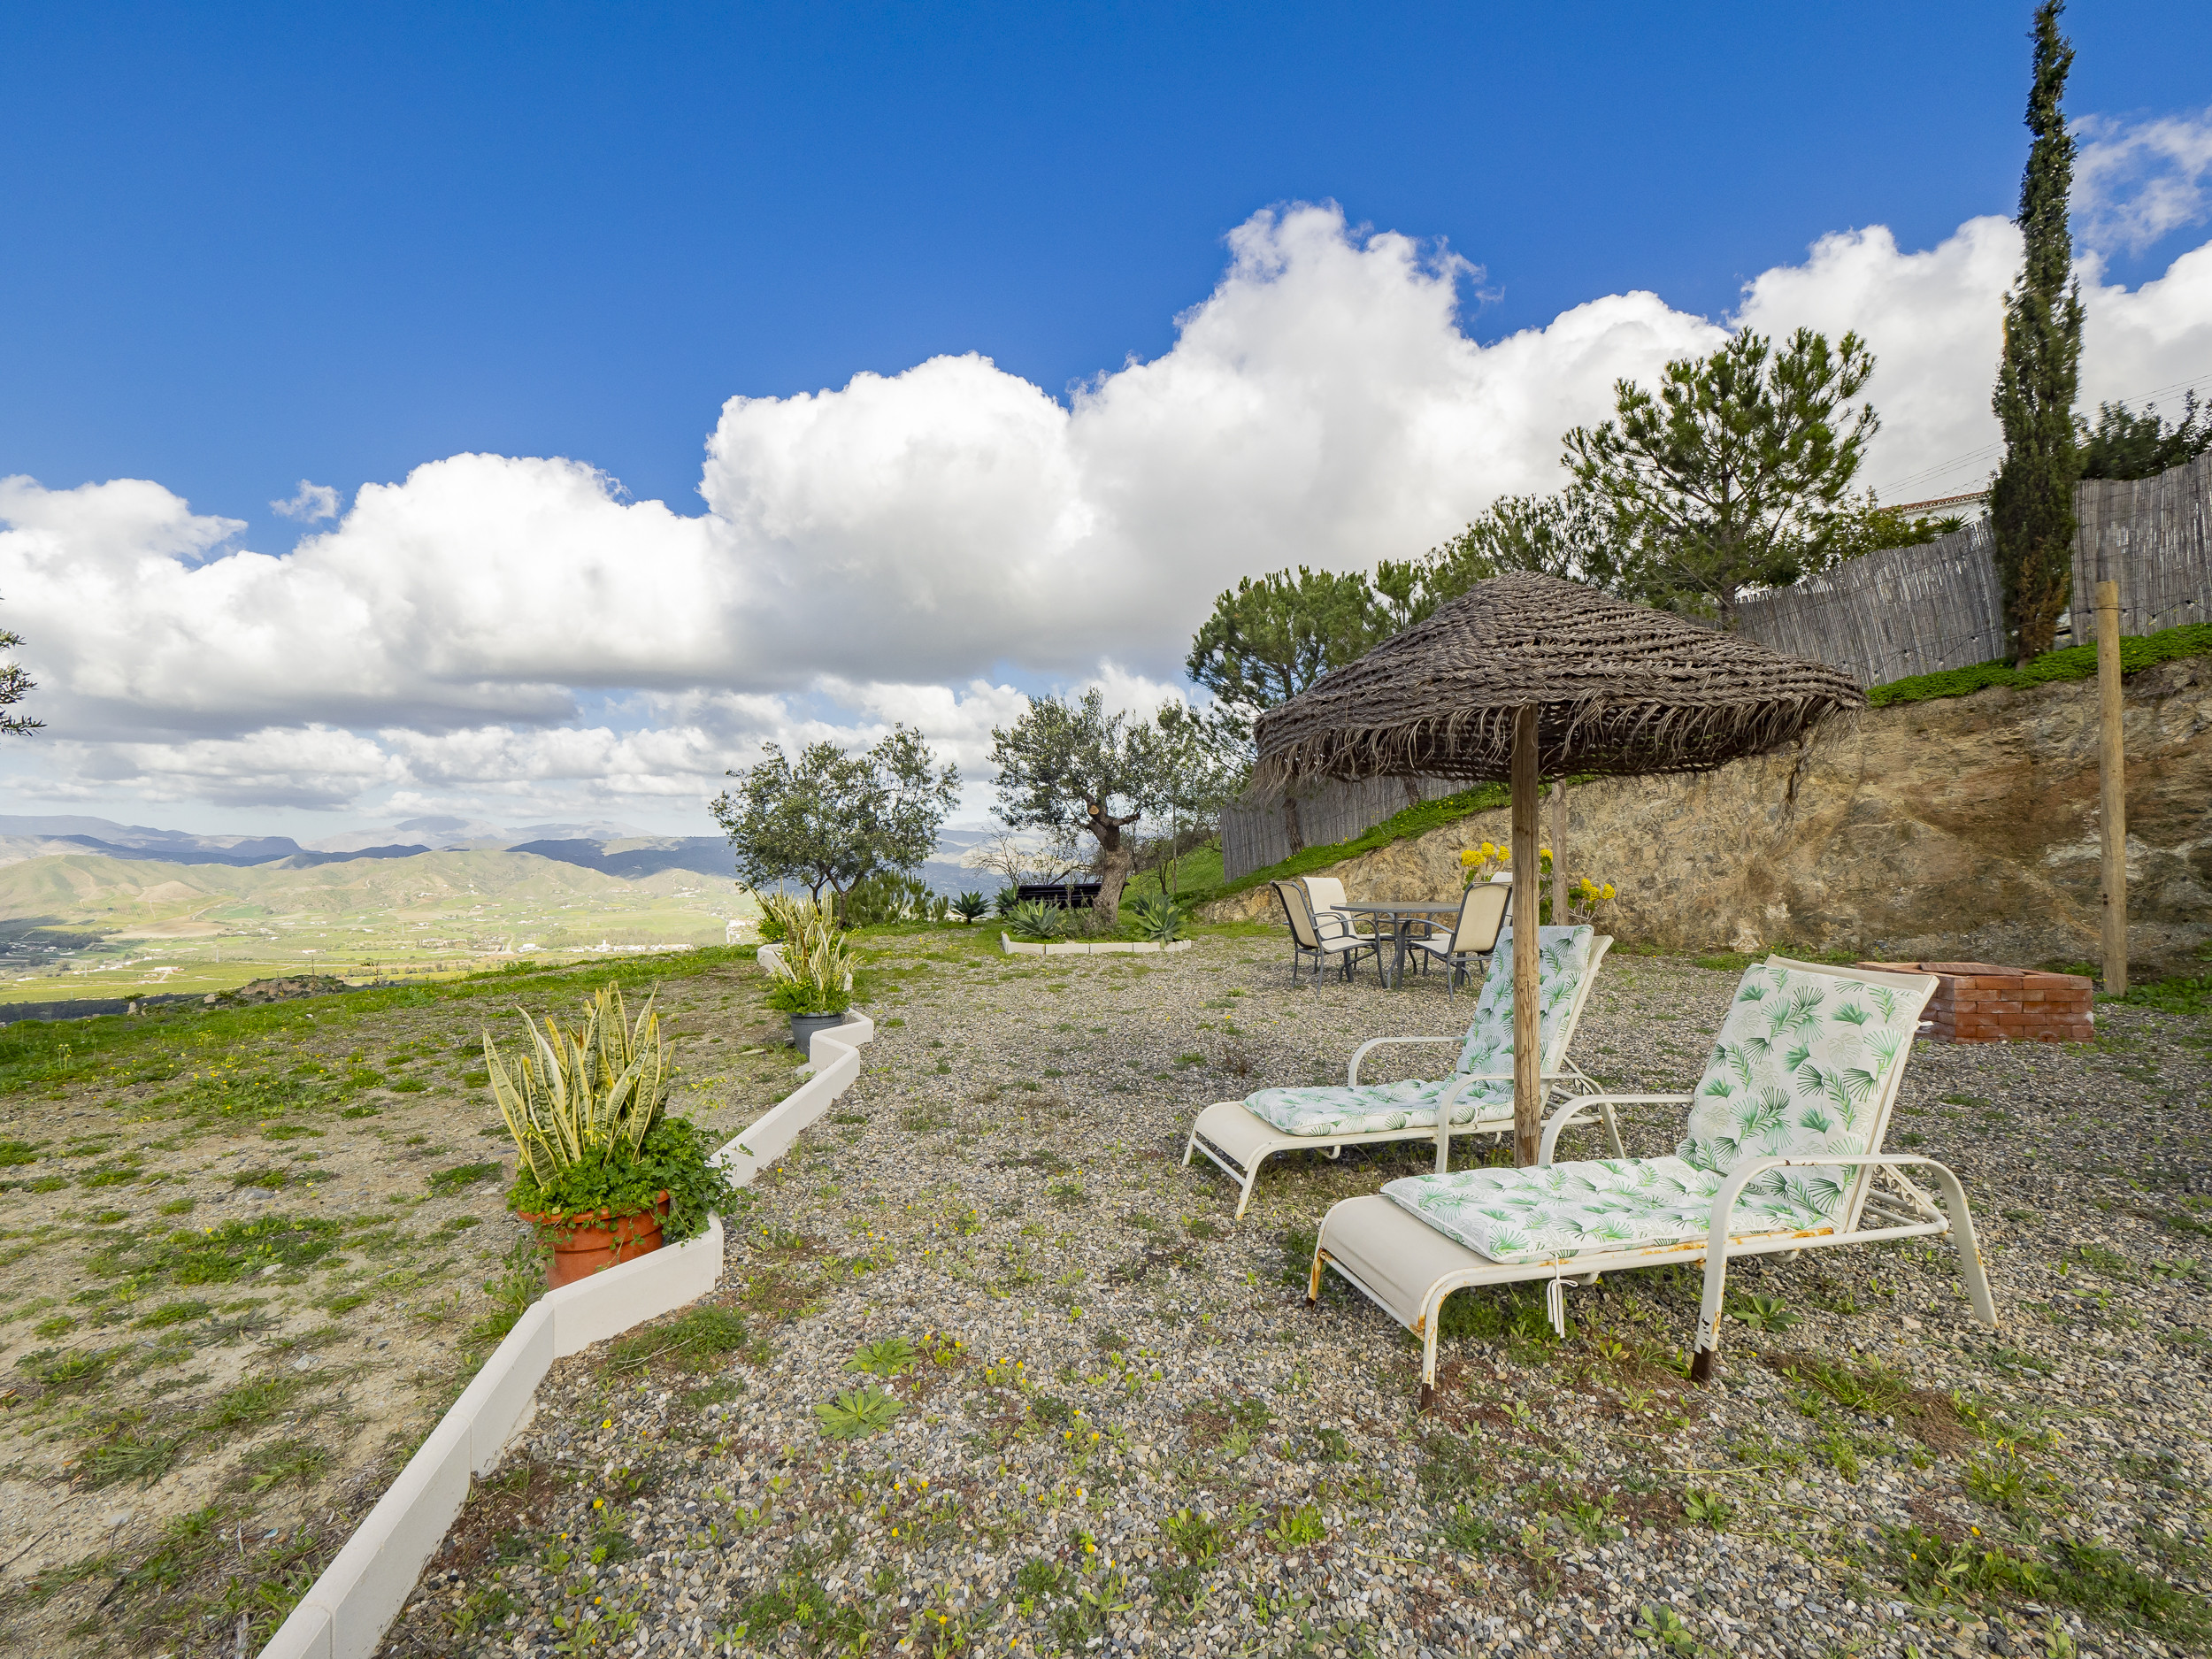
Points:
(1618, 688)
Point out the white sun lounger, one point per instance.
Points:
(1781, 1153)
(1477, 1098)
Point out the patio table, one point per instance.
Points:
(1399, 912)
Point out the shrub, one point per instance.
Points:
(813, 972)
(1035, 920)
(971, 907)
(1157, 917)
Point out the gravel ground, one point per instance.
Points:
(247, 1252)
(1118, 1428)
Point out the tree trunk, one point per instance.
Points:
(1290, 824)
(1116, 858)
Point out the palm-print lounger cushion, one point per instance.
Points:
(1798, 1069)
(1563, 958)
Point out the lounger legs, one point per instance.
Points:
(1962, 1235)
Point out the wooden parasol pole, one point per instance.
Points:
(2112, 779)
(1527, 1063)
(1558, 852)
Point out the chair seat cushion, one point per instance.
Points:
(1373, 1108)
(1586, 1209)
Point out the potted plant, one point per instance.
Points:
(813, 972)
(606, 1175)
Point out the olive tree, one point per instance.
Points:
(1070, 768)
(831, 818)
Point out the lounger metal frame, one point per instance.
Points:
(1238, 1140)
(1910, 1212)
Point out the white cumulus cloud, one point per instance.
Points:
(310, 503)
(2136, 181)
(898, 549)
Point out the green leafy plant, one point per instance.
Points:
(1296, 1527)
(1707, 1508)
(1762, 1312)
(1199, 1537)
(1662, 1628)
(586, 1095)
(894, 1357)
(1156, 917)
(855, 1415)
(1034, 919)
(813, 971)
(971, 907)
(585, 1108)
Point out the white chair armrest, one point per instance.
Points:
(1961, 1227)
(1351, 1076)
(1570, 1110)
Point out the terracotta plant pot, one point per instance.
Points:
(584, 1242)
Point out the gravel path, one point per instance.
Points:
(1122, 1431)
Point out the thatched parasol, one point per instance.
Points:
(1526, 676)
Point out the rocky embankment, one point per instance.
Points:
(1959, 828)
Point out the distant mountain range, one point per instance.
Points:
(609, 848)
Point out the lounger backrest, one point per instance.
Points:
(1481, 917)
(1565, 959)
(1807, 1062)
(1299, 915)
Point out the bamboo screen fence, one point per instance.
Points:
(1256, 834)
(2152, 536)
(1882, 616)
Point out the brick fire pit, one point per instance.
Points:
(1979, 1002)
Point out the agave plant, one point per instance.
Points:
(1037, 920)
(971, 907)
(1157, 917)
(584, 1094)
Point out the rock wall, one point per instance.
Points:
(1960, 828)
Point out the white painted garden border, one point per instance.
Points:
(347, 1611)
(1016, 948)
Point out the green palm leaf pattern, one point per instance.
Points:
(1851, 1014)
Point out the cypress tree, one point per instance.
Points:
(2032, 501)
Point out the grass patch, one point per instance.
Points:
(692, 1342)
(1405, 825)
(219, 1255)
(2076, 662)
(460, 1177)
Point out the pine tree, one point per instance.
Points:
(2032, 502)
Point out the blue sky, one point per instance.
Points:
(253, 244)
(1256, 286)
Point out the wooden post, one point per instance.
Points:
(1528, 1123)
(2112, 779)
(1558, 852)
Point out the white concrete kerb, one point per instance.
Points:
(1078, 948)
(347, 1611)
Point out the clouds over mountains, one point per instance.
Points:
(497, 629)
